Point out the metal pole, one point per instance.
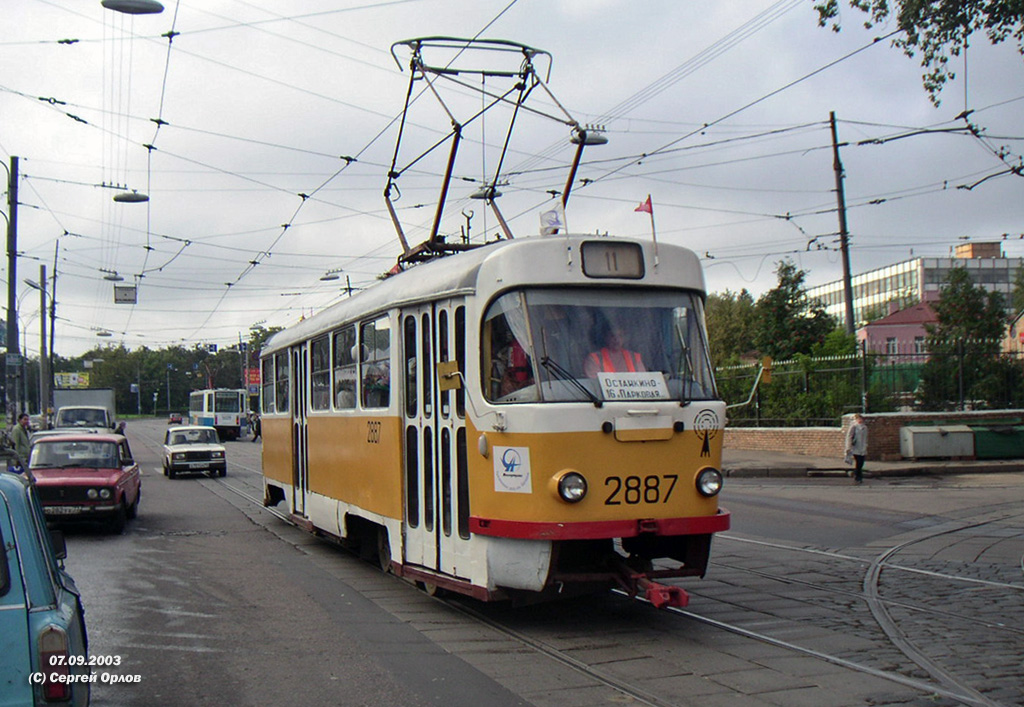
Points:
(44, 363)
(13, 354)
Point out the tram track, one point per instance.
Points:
(880, 607)
(947, 687)
(942, 685)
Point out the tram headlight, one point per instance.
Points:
(709, 482)
(572, 487)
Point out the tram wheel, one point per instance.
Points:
(431, 589)
(383, 550)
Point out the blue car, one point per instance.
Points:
(43, 644)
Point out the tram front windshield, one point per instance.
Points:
(596, 345)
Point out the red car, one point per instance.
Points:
(86, 477)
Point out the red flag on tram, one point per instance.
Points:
(646, 206)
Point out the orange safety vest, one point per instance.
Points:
(605, 365)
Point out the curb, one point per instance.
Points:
(752, 472)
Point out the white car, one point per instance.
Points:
(193, 449)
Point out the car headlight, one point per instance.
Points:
(572, 487)
(178, 456)
(105, 494)
(709, 482)
(92, 494)
(216, 455)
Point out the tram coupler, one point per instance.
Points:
(634, 582)
(662, 595)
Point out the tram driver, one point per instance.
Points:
(613, 356)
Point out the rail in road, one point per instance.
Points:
(929, 613)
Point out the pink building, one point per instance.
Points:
(901, 332)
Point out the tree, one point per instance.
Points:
(786, 322)
(938, 29)
(964, 344)
(1017, 296)
(730, 318)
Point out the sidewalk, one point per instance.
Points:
(743, 463)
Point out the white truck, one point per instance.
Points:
(88, 408)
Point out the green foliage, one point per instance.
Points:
(966, 313)
(937, 29)
(730, 318)
(836, 343)
(786, 322)
(964, 344)
(1017, 296)
(165, 377)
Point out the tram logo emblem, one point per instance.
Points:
(512, 470)
(706, 425)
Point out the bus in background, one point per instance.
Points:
(222, 408)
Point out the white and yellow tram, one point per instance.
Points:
(531, 417)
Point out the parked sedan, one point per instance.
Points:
(42, 626)
(193, 448)
(87, 477)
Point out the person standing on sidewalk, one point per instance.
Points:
(857, 446)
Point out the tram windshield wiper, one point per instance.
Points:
(559, 372)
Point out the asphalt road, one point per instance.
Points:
(202, 606)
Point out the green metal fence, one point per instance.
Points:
(809, 391)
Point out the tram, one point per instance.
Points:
(222, 408)
(531, 418)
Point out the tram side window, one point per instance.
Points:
(410, 365)
(320, 375)
(268, 386)
(375, 337)
(460, 356)
(282, 369)
(345, 368)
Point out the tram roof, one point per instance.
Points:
(452, 276)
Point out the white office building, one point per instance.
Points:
(918, 280)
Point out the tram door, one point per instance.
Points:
(436, 496)
(300, 434)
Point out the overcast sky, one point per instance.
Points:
(254, 102)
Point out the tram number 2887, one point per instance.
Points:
(633, 490)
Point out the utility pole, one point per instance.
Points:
(844, 235)
(13, 361)
(44, 360)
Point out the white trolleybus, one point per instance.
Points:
(221, 408)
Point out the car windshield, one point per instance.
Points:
(194, 437)
(596, 345)
(67, 454)
(84, 418)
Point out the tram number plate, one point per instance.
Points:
(633, 490)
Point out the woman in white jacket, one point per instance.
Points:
(857, 446)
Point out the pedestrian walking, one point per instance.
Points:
(20, 438)
(857, 447)
(257, 427)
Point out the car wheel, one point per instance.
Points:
(133, 510)
(120, 519)
(165, 467)
(171, 473)
(223, 472)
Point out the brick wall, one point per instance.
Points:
(883, 433)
